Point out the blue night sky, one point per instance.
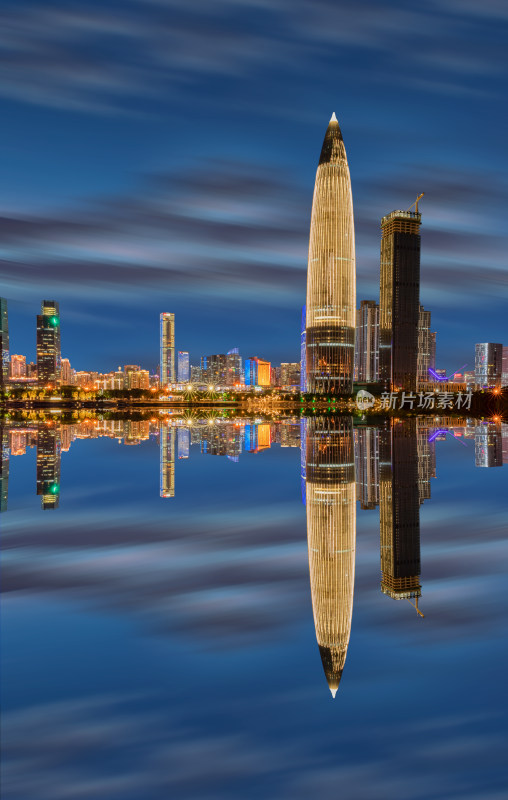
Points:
(160, 156)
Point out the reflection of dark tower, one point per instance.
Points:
(4, 467)
(331, 536)
(399, 511)
(48, 466)
(49, 361)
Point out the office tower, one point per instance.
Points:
(399, 303)
(331, 537)
(234, 374)
(488, 364)
(504, 367)
(4, 467)
(276, 373)
(66, 372)
(366, 443)
(331, 273)
(167, 349)
(399, 510)
(18, 367)
(49, 361)
(257, 372)
(183, 367)
(367, 342)
(290, 374)
(303, 351)
(425, 346)
(48, 465)
(488, 445)
(4, 342)
(183, 442)
(214, 369)
(196, 374)
(167, 459)
(426, 450)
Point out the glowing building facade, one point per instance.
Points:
(48, 465)
(167, 349)
(49, 359)
(167, 436)
(257, 372)
(331, 536)
(4, 342)
(331, 274)
(183, 366)
(488, 364)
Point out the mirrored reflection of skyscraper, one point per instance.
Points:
(48, 465)
(331, 273)
(366, 441)
(488, 445)
(167, 349)
(399, 493)
(167, 436)
(4, 466)
(331, 537)
(49, 360)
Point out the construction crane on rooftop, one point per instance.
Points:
(415, 204)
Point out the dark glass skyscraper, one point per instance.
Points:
(49, 360)
(331, 273)
(4, 342)
(367, 342)
(399, 303)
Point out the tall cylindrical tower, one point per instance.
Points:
(331, 273)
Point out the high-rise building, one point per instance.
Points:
(399, 510)
(66, 372)
(183, 367)
(331, 273)
(425, 347)
(488, 364)
(504, 367)
(433, 338)
(183, 442)
(367, 342)
(303, 351)
(167, 349)
(290, 374)
(234, 371)
(167, 436)
(331, 537)
(48, 465)
(257, 372)
(18, 366)
(196, 375)
(399, 303)
(49, 360)
(214, 369)
(4, 342)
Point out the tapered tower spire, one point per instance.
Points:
(331, 274)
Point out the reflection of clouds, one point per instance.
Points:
(219, 582)
(104, 747)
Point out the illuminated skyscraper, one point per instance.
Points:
(488, 364)
(4, 342)
(257, 372)
(49, 360)
(488, 445)
(399, 299)
(18, 366)
(399, 510)
(234, 374)
(167, 460)
(366, 441)
(66, 372)
(48, 465)
(331, 273)
(183, 437)
(167, 349)
(303, 351)
(331, 537)
(183, 367)
(367, 342)
(425, 354)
